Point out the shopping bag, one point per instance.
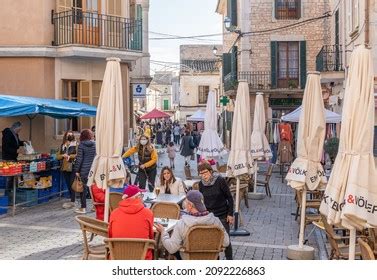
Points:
(29, 150)
(77, 185)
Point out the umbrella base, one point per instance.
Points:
(256, 196)
(295, 252)
(239, 232)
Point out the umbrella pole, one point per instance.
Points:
(255, 195)
(107, 203)
(237, 231)
(352, 244)
(302, 219)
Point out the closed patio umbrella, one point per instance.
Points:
(240, 161)
(108, 168)
(210, 143)
(260, 149)
(350, 198)
(306, 172)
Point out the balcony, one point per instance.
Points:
(75, 27)
(329, 59)
(257, 80)
(230, 82)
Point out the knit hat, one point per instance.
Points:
(196, 198)
(131, 191)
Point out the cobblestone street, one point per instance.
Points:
(48, 231)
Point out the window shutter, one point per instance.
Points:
(139, 12)
(227, 62)
(233, 68)
(274, 49)
(232, 12)
(303, 63)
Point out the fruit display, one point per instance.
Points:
(8, 168)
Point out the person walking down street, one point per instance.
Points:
(195, 214)
(168, 132)
(177, 134)
(171, 154)
(84, 159)
(187, 147)
(217, 198)
(67, 154)
(169, 184)
(148, 157)
(131, 219)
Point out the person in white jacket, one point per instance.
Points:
(197, 214)
(169, 184)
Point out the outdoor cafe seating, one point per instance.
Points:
(128, 248)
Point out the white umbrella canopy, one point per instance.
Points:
(350, 198)
(210, 143)
(108, 168)
(259, 144)
(306, 170)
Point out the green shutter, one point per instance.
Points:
(232, 11)
(234, 62)
(227, 62)
(139, 12)
(274, 49)
(166, 105)
(303, 63)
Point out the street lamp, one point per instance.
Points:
(231, 28)
(214, 50)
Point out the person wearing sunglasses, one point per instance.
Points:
(217, 198)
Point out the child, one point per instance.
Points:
(99, 199)
(171, 154)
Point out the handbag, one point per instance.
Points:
(77, 185)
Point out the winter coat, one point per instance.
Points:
(132, 220)
(71, 150)
(171, 151)
(10, 144)
(99, 197)
(217, 197)
(187, 146)
(174, 243)
(175, 188)
(84, 159)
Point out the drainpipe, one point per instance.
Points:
(367, 4)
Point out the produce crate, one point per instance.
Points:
(41, 195)
(30, 196)
(3, 205)
(3, 182)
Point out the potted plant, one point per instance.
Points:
(292, 84)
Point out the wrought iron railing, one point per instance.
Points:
(256, 79)
(230, 81)
(329, 58)
(92, 29)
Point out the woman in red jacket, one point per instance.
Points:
(99, 198)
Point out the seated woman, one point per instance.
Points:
(169, 184)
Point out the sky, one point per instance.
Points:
(182, 18)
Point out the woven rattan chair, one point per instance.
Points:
(203, 242)
(95, 227)
(366, 250)
(188, 174)
(339, 250)
(115, 198)
(373, 239)
(166, 210)
(313, 203)
(221, 168)
(129, 248)
(265, 182)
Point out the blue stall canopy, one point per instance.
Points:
(11, 105)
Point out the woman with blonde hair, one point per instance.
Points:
(148, 157)
(169, 184)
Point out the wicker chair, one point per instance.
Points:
(166, 210)
(129, 248)
(115, 198)
(366, 250)
(203, 242)
(94, 227)
(339, 250)
(221, 168)
(266, 181)
(189, 175)
(314, 203)
(373, 239)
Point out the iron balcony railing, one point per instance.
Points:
(329, 58)
(287, 9)
(256, 79)
(230, 81)
(92, 29)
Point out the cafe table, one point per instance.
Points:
(151, 197)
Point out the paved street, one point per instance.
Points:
(50, 232)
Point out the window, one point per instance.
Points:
(203, 94)
(288, 65)
(287, 9)
(114, 7)
(166, 105)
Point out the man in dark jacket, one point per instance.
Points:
(11, 142)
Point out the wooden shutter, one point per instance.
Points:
(232, 12)
(274, 49)
(64, 5)
(84, 97)
(227, 62)
(303, 63)
(234, 62)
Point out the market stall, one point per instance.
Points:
(36, 177)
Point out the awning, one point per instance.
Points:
(198, 116)
(294, 116)
(155, 114)
(11, 105)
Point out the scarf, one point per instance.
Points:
(212, 180)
